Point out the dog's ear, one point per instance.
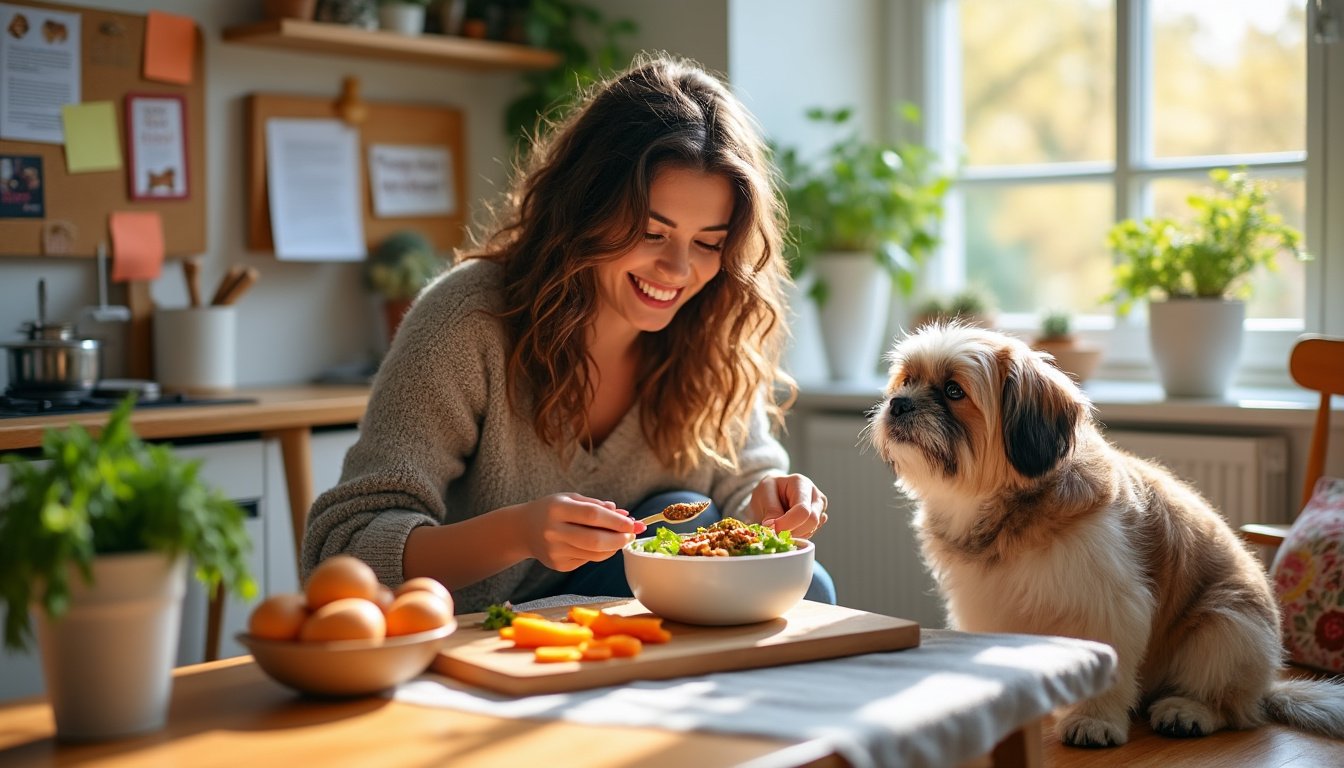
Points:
(1039, 416)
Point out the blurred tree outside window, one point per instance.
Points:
(1048, 166)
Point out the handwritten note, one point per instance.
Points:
(410, 180)
(312, 175)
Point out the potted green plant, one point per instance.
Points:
(1193, 273)
(397, 269)
(406, 17)
(859, 210)
(95, 534)
(590, 45)
(1073, 356)
(972, 306)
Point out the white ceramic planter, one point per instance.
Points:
(403, 18)
(108, 660)
(1196, 344)
(854, 314)
(805, 353)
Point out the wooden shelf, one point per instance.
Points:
(441, 50)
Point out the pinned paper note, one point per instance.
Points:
(170, 47)
(137, 245)
(91, 139)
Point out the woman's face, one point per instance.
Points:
(680, 252)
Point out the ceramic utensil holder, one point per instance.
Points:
(195, 349)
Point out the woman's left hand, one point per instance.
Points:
(789, 503)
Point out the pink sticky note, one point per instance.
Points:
(137, 245)
(170, 47)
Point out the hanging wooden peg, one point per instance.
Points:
(350, 107)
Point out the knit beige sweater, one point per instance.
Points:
(440, 444)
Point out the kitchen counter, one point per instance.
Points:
(285, 414)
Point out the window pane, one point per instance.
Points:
(1229, 77)
(1277, 294)
(1037, 247)
(1038, 80)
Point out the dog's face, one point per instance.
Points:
(975, 411)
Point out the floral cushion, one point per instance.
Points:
(1308, 573)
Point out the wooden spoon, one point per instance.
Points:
(677, 513)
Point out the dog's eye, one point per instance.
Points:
(953, 391)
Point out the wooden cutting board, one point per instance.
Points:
(809, 632)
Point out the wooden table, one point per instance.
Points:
(228, 713)
(287, 414)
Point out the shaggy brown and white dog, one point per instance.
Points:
(1031, 522)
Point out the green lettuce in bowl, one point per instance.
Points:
(759, 539)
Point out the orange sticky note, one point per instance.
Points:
(170, 47)
(137, 245)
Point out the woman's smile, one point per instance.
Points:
(653, 293)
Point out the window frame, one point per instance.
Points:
(926, 69)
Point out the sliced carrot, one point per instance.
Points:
(527, 615)
(646, 628)
(583, 616)
(534, 633)
(554, 653)
(506, 633)
(622, 646)
(595, 651)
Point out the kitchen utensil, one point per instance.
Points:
(226, 283)
(808, 632)
(680, 512)
(116, 389)
(104, 312)
(51, 363)
(239, 286)
(191, 270)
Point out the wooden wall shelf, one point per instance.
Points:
(441, 50)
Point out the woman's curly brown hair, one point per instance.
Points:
(582, 200)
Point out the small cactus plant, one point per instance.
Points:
(1056, 325)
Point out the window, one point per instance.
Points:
(1068, 115)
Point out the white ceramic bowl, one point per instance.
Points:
(347, 667)
(719, 591)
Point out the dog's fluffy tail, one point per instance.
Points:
(1308, 705)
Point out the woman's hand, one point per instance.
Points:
(789, 503)
(565, 530)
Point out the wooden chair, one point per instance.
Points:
(1316, 362)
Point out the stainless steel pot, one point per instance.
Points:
(51, 362)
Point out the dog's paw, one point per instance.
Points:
(1180, 718)
(1092, 732)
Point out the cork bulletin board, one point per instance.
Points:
(378, 123)
(112, 50)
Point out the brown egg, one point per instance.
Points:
(278, 617)
(340, 577)
(350, 618)
(426, 584)
(384, 598)
(416, 611)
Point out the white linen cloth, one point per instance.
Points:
(949, 700)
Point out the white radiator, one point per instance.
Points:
(1245, 478)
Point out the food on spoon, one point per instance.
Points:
(683, 510)
(727, 538)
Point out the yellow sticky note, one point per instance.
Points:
(170, 47)
(137, 245)
(91, 139)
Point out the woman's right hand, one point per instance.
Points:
(565, 530)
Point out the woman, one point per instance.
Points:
(616, 337)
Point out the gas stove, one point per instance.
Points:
(17, 407)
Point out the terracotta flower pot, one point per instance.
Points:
(393, 311)
(289, 9)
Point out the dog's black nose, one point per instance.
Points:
(901, 405)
